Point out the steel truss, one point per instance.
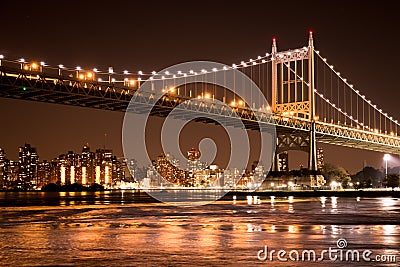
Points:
(292, 131)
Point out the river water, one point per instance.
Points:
(126, 229)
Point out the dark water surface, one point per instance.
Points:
(125, 229)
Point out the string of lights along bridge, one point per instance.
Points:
(309, 99)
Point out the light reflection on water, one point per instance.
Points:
(113, 231)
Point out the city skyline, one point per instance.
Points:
(347, 43)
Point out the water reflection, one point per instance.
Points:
(323, 200)
(219, 234)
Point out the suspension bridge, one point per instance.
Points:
(310, 101)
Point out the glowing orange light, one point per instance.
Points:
(132, 82)
(81, 76)
(89, 75)
(34, 65)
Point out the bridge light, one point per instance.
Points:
(81, 76)
(345, 80)
(113, 80)
(241, 103)
(24, 88)
(338, 73)
(153, 72)
(42, 63)
(234, 66)
(139, 79)
(140, 72)
(166, 73)
(78, 68)
(26, 67)
(207, 96)
(259, 57)
(263, 61)
(21, 60)
(131, 82)
(89, 75)
(254, 63)
(174, 76)
(179, 72)
(204, 71)
(214, 69)
(61, 66)
(1, 57)
(172, 90)
(99, 80)
(126, 72)
(233, 103)
(184, 75)
(95, 70)
(267, 54)
(191, 72)
(324, 59)
(34, 66)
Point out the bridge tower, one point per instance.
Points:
(293, 96)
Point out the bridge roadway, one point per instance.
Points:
(35, 86)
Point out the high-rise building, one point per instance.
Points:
(3, 169)
(87, 166)
(283, 161)
(44, 173)
(320, 158)
(28, 160)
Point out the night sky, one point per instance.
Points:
(361, 39)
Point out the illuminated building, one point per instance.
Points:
(320, 158)
(3, 169)
(168, 168)
(44, 173)
(87, 166)
(27, 174)
(283, 161)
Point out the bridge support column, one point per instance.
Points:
(312, 160)
(312, 154)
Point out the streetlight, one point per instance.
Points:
(386, 158)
